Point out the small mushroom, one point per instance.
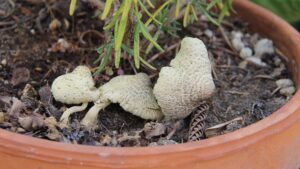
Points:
(77, 87)
(182, 86)
(132, 92)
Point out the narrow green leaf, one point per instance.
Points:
(115, 18)
(105, 59)
(147, 64)
(177, 8)
(150, 4)
(156, 35)
(148, 13)
(117, 52)
(147, 35)
(122, 24)
(158, 11)
(194, 13)
(72, 7)
(186, 17)
(131, 53)
(107, 8)
(212, 4)
(136, 46)
(117, 58)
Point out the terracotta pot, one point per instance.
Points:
(270, 143)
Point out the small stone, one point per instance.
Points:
(4, 62)
(54, 25)
(263, 46)
(208, 33)
(203, 18)
(256, 61)
(236, 35)
(6, 82)
(284, 83)
(289, 91)
(277, 61)
(246, 52)
(32, 31)
(237, 44)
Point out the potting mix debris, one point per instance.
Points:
(39, 42)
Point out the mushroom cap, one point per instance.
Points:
(75, 87)
(134, 94)
(182, 86)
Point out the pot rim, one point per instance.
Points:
(281, 119)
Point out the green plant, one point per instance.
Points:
(131, 20)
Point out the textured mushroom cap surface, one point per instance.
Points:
(75, 87)
(134, 94)
(181, 87)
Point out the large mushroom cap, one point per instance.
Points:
(134, 94)
(75, 87)
(182, 86)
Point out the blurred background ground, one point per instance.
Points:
(287, 9)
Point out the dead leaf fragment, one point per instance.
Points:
(20, 75)
(217, 129)
(2, 117)
(31, 122)
(153, 129)
(16, 107)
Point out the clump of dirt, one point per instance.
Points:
(39, 42)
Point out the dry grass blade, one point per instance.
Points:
(197, 124)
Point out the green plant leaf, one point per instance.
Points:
(72, 7)
(130, 52)
(147, 35)
(122, 24)
(136, 46)
(148, 13)
(105, 59)
(158, 11)
(107, 8)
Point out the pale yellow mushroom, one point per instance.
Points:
(181, 87)
(132, 92)
(77, 87)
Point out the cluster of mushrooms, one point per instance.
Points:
(179, 89)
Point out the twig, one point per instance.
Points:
(154, 57)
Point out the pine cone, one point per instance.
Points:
(197, 124)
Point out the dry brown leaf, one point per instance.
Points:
(20, 75)
(31, 122)
(153, 129)
(16, 107)
(217, 129)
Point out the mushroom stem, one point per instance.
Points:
(91, 116)
(65, 116)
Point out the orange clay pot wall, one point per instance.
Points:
(273, 143)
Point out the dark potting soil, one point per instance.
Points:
(39, 42)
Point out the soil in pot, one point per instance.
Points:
(38, 43)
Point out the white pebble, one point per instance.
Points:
(256, 61)
(236, 35)
(6, 82)
(288, 91)
(246, 52)
(4, 62)
(277, 61)
(237, 44)
(263, 46)
(283, 83)
(208, 33)
(203, 18)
